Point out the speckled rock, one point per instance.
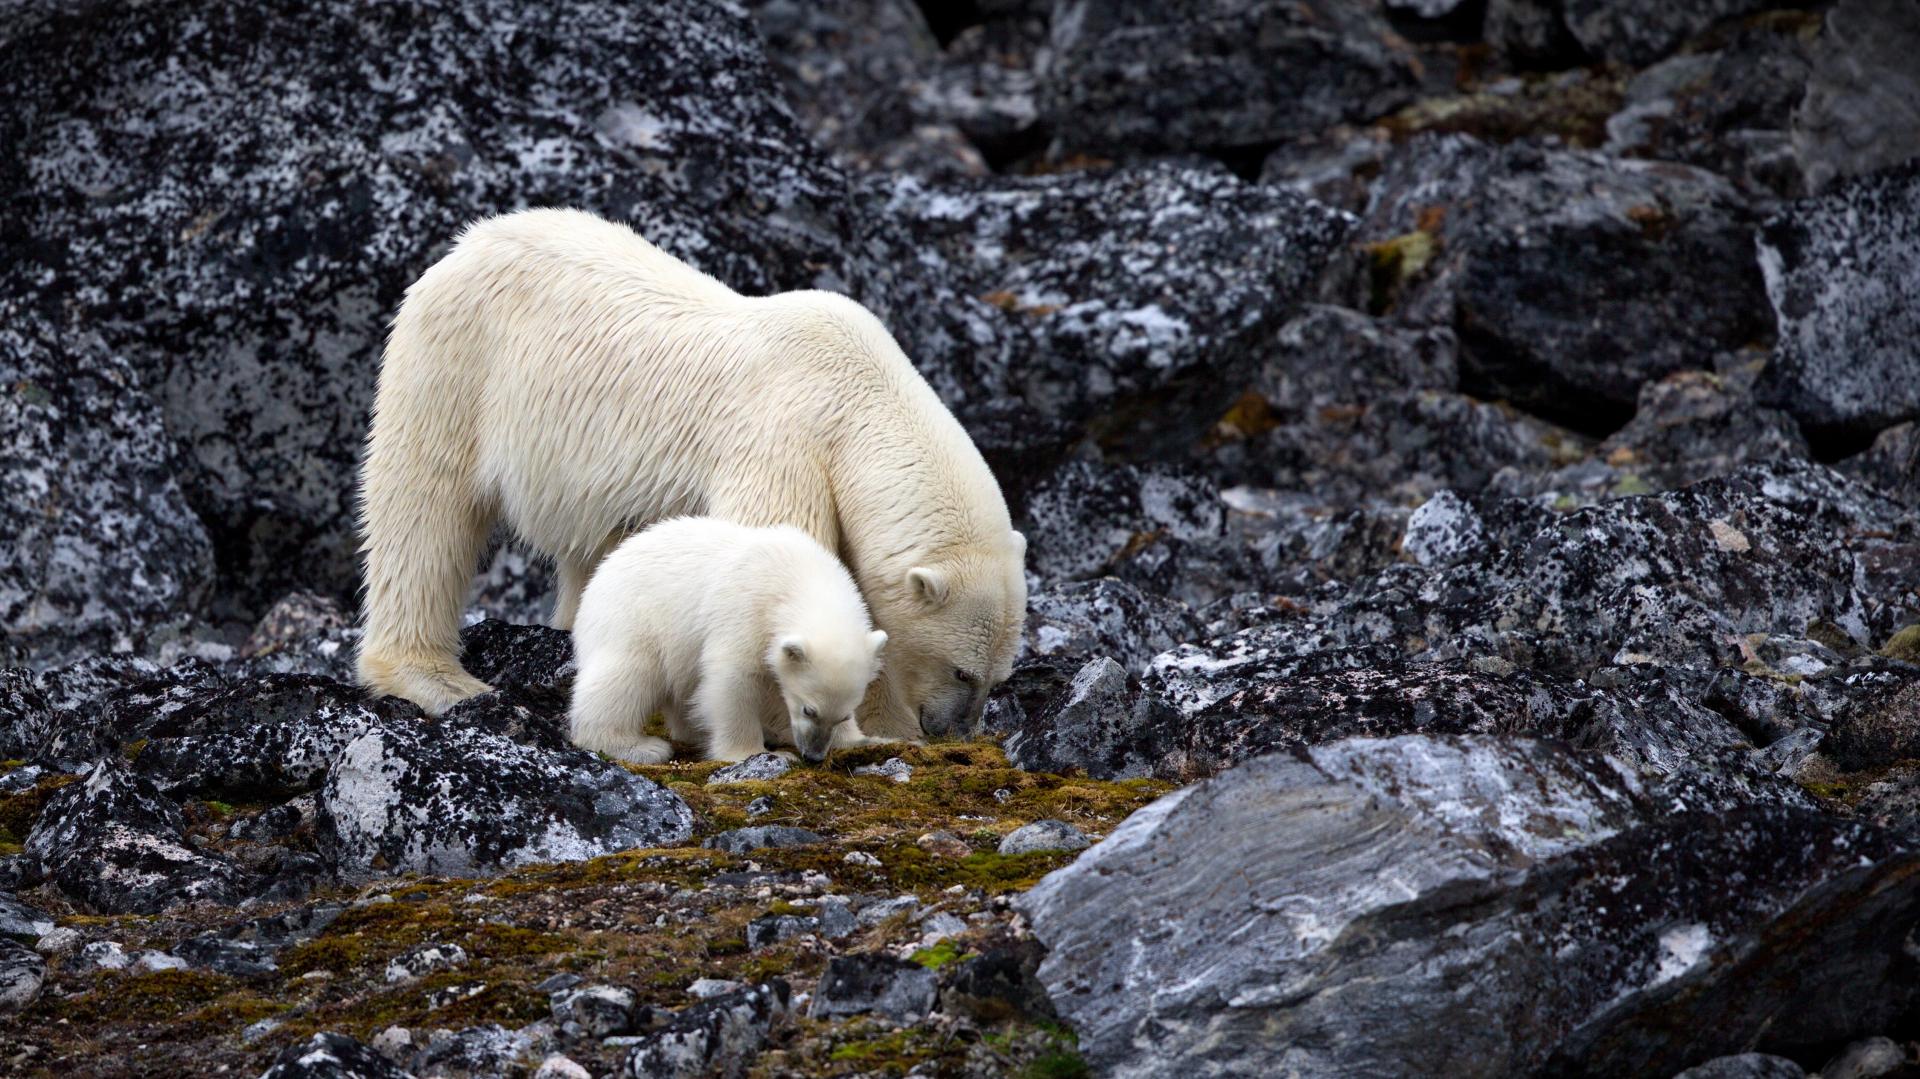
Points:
(1689, 426)
(22, 972)
(1861, 111)
(1745, 1066)
(474, 1053)
(721, 1036)
(114, 842)
(103, 548)
(1105, 616)
(1565, 951)
(504, 654)
(757, 768)
(1638, 32)
(1200, 74)
(755, 837)
(1081, 520)
(333, 1056)
(21, 920)
(1891, 464)
(418, 962)
(462, 801)
(26, 720)
(1570, 277)
(874, 983)
(593, 1011)
(1044, 835)
(1098, 723)
(1840, 269)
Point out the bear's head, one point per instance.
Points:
(823, 677)
(955, 625)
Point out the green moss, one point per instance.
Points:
(19, 810)
(1394, 262)
(1057, 1064)
(1631, 483)
(147, 998)
(1903, 645)
(942, 953)
(221, 809)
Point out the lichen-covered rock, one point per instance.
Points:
(1638, 32)
(474, 1053)
(418, 962)
(1570, 277)
(593, 1011)
(1201, 74)
(874, 983)
(1585, 933)
(114, 842)
(721, 1036)
(1840, 269)
(1891, 464)
(756, 837)
(1745, 1066)
(102, 547)
(22, 973)
(461, 801)
(1338, 356)
(503, 654)
(757, 768)
(17, 919)
(26, 719)
(1861, 111)
(333, 1056)
(1098, 724)
(1082, 519)
(1044, 835)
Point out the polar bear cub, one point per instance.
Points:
(742, 636)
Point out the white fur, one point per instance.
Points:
(557, 371)
(735, 633)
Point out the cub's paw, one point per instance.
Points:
(646, 750)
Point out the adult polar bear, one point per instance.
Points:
(558, 372)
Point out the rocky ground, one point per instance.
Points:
(1467, 449)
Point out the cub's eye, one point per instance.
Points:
(964, 677)
(810, 712)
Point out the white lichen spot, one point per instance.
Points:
(1728, 537)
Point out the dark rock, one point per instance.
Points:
(273, 737)
(103, 548)
(480, 1052)
(1044, 835)
(770, 929)
(114, 842)
(1861, 112)
(1745, 1066)
(1512, 892)
(535, 717)
(22, 972)
(1098, 724)
(332, 1056)
(277, 931)
(1085, 517)
(1638, 32)
(1891, 464)
(221, 955)
(403, 799)
(757, 768)
(20, 920)
(26, 720)
(875, 983)
(1840, 269)
(1867, 1059)
(1201, 74)
(1570, 277)
(997, 985)
(721, 1036)
(294, 618)
(1879, 727)
(593, 1011)
(1333, 356)
(987, 86)
(421, 960)
(1105, 616)
(123, 713)
(503, 654)
(760, 836)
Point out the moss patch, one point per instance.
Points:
(1903, 645)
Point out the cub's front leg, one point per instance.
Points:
(726, 709)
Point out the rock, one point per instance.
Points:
(1105, 616)
(17, 919)
(1638, 32)
(1044, 835)
(759, 836)
(233, 958)
(26, 720)
(1128, 305)
(708, 988)
(1575, 954)
(720, 1036)
(22, 972)
(1891, 464)
(875, 983)
(893, 768)
(1083, 519)
(269, 738)
(1839, 270)
(944, 844)
(277, 231)
(880, 910)
(987, 85)
(419, 961)
(771, 929)
(104, 548)
(593, 1011)
(293, 619)
(1204, 74)
(332, 1056)
(1745, 1066)
(474, 1053)
(760, 806)
(155, 962)
(1877, 727)
(115, 843)
(394, 1042)
(103, 955)
(1571, 278)
(502, 654)
(62, 941)
(1331, 356)
(1867, 1059)
(1099, 725)
(757, 768)
(404, 799)
(558, 1066)
(531, 716)
(128, 705)
(1861, 112)
(997, 985)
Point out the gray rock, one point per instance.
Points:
(62, 941)
(114, 842)
(1638, 32)
(1867, 1059)
(1200, 74)
(720, 1036)
(417, 962)
(893, 769)
(1840, 269)
(155, 962)
(558, 1066)
(18, 919)
(26, 719)
(472, 803)
(880, 910)
(1105, 616)
(874, 983)
(103, 955)
(474, 1053)
(1891, 464)
(1745, 1066)
(222, 955)
(771, 929)
(1044, 835)
(1861, 112)
(1559, 949)
(593, 1011)
(22, 972)
(759, 767)
(1099, 724)
(332, 1056)
(759, 836)
(1084, 517)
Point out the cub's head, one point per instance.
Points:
(956, 625)
(823, 678)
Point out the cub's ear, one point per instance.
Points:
(876, 641)
(1019, 544)
(929, 586)
(793, 650)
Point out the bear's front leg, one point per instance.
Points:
(727, 709)
(848, 735)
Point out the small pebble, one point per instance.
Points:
(712, 987)
(392, 1042)
(760, 806)
(560, 1067)
(253, 1032)
(1044, 835)
(760, 766)
(892, 768)
(860, 857)
(153, 962)
(944, 843)
(59, 942)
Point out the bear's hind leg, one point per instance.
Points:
(611, 703)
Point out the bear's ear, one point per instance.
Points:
(876, 641)
(1019, 544)
(793, 651)
(929, 586)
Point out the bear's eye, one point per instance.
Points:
(810, 712)
(963, 677)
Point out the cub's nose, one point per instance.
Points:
(813, 756)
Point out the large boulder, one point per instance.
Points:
(462, 801)
(1325, 914)
(1840, 270)
(1861, 111)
